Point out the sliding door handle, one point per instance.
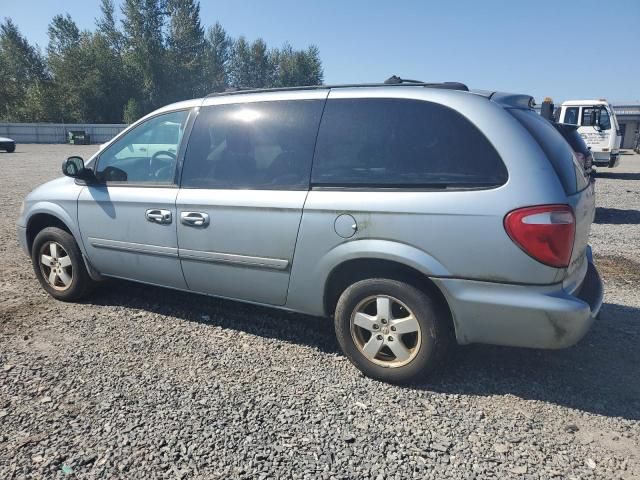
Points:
(194, 219)
(156, 215)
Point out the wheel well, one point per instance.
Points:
(40, 221)
(352, 271)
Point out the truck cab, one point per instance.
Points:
(598, 126)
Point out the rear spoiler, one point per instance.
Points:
(508, 100)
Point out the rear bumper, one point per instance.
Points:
(523, 316)
(606, 159)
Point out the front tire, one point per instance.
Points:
(59, 266)
(391, 331)
(11, 149)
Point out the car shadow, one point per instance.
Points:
(599, 375)
(619, 175)
(617, 216)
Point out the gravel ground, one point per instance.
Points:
(141, 382)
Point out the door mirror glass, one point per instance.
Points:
(72, 166)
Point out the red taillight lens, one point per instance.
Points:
(545, 232)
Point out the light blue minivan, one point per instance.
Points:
(414, 214)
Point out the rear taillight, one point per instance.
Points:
(544, 232)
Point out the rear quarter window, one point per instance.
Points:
(402, 143)
(557, 150)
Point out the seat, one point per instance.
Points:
(237, 164)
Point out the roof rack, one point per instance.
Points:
(393, 81)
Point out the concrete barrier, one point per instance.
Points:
(57, 132)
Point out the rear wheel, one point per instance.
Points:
(391, 330)
(58, 264)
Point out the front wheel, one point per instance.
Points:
(58, 265)
(391, 330)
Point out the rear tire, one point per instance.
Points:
(391, 331)
(59, 266)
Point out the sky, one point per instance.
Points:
(562, 48)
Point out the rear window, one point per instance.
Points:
(402, 143)
(556, 148)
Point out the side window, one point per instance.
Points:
(146, 154)
(262, 145)
(571, 115)
(586, 116)
(402, 143)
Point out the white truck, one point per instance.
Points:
(598, 126)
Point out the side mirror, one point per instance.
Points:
(74, 167)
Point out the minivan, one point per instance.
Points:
(416, 215)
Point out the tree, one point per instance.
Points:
(186, 50)
(63, 57)
(144, 52)
(23, 77)
(260, 67)
(161, 54)
(240, 64)
(131, 111)
(218, 54)
(297, 67)
(106, 26)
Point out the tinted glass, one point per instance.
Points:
(571, 115)
(581, 150)
(402, 143)
(146, 154)
(265, 145)
(556, 148)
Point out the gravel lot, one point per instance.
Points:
(141, 382)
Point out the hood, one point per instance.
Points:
(5, 139)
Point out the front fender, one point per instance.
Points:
(69, 218)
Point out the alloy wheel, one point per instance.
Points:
(55, 265)
(386, 331)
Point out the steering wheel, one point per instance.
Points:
(155, 156)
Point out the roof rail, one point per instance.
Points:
(390, 82)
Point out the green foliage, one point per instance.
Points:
(23, 76)
(161, 53)
(131, 111)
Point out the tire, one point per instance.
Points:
(426, 347)
(62, 273)
(11, 149)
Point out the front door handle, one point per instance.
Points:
(157, 215)
(194, 219)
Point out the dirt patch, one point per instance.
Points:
(617, 267)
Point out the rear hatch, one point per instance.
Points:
(576, 182)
